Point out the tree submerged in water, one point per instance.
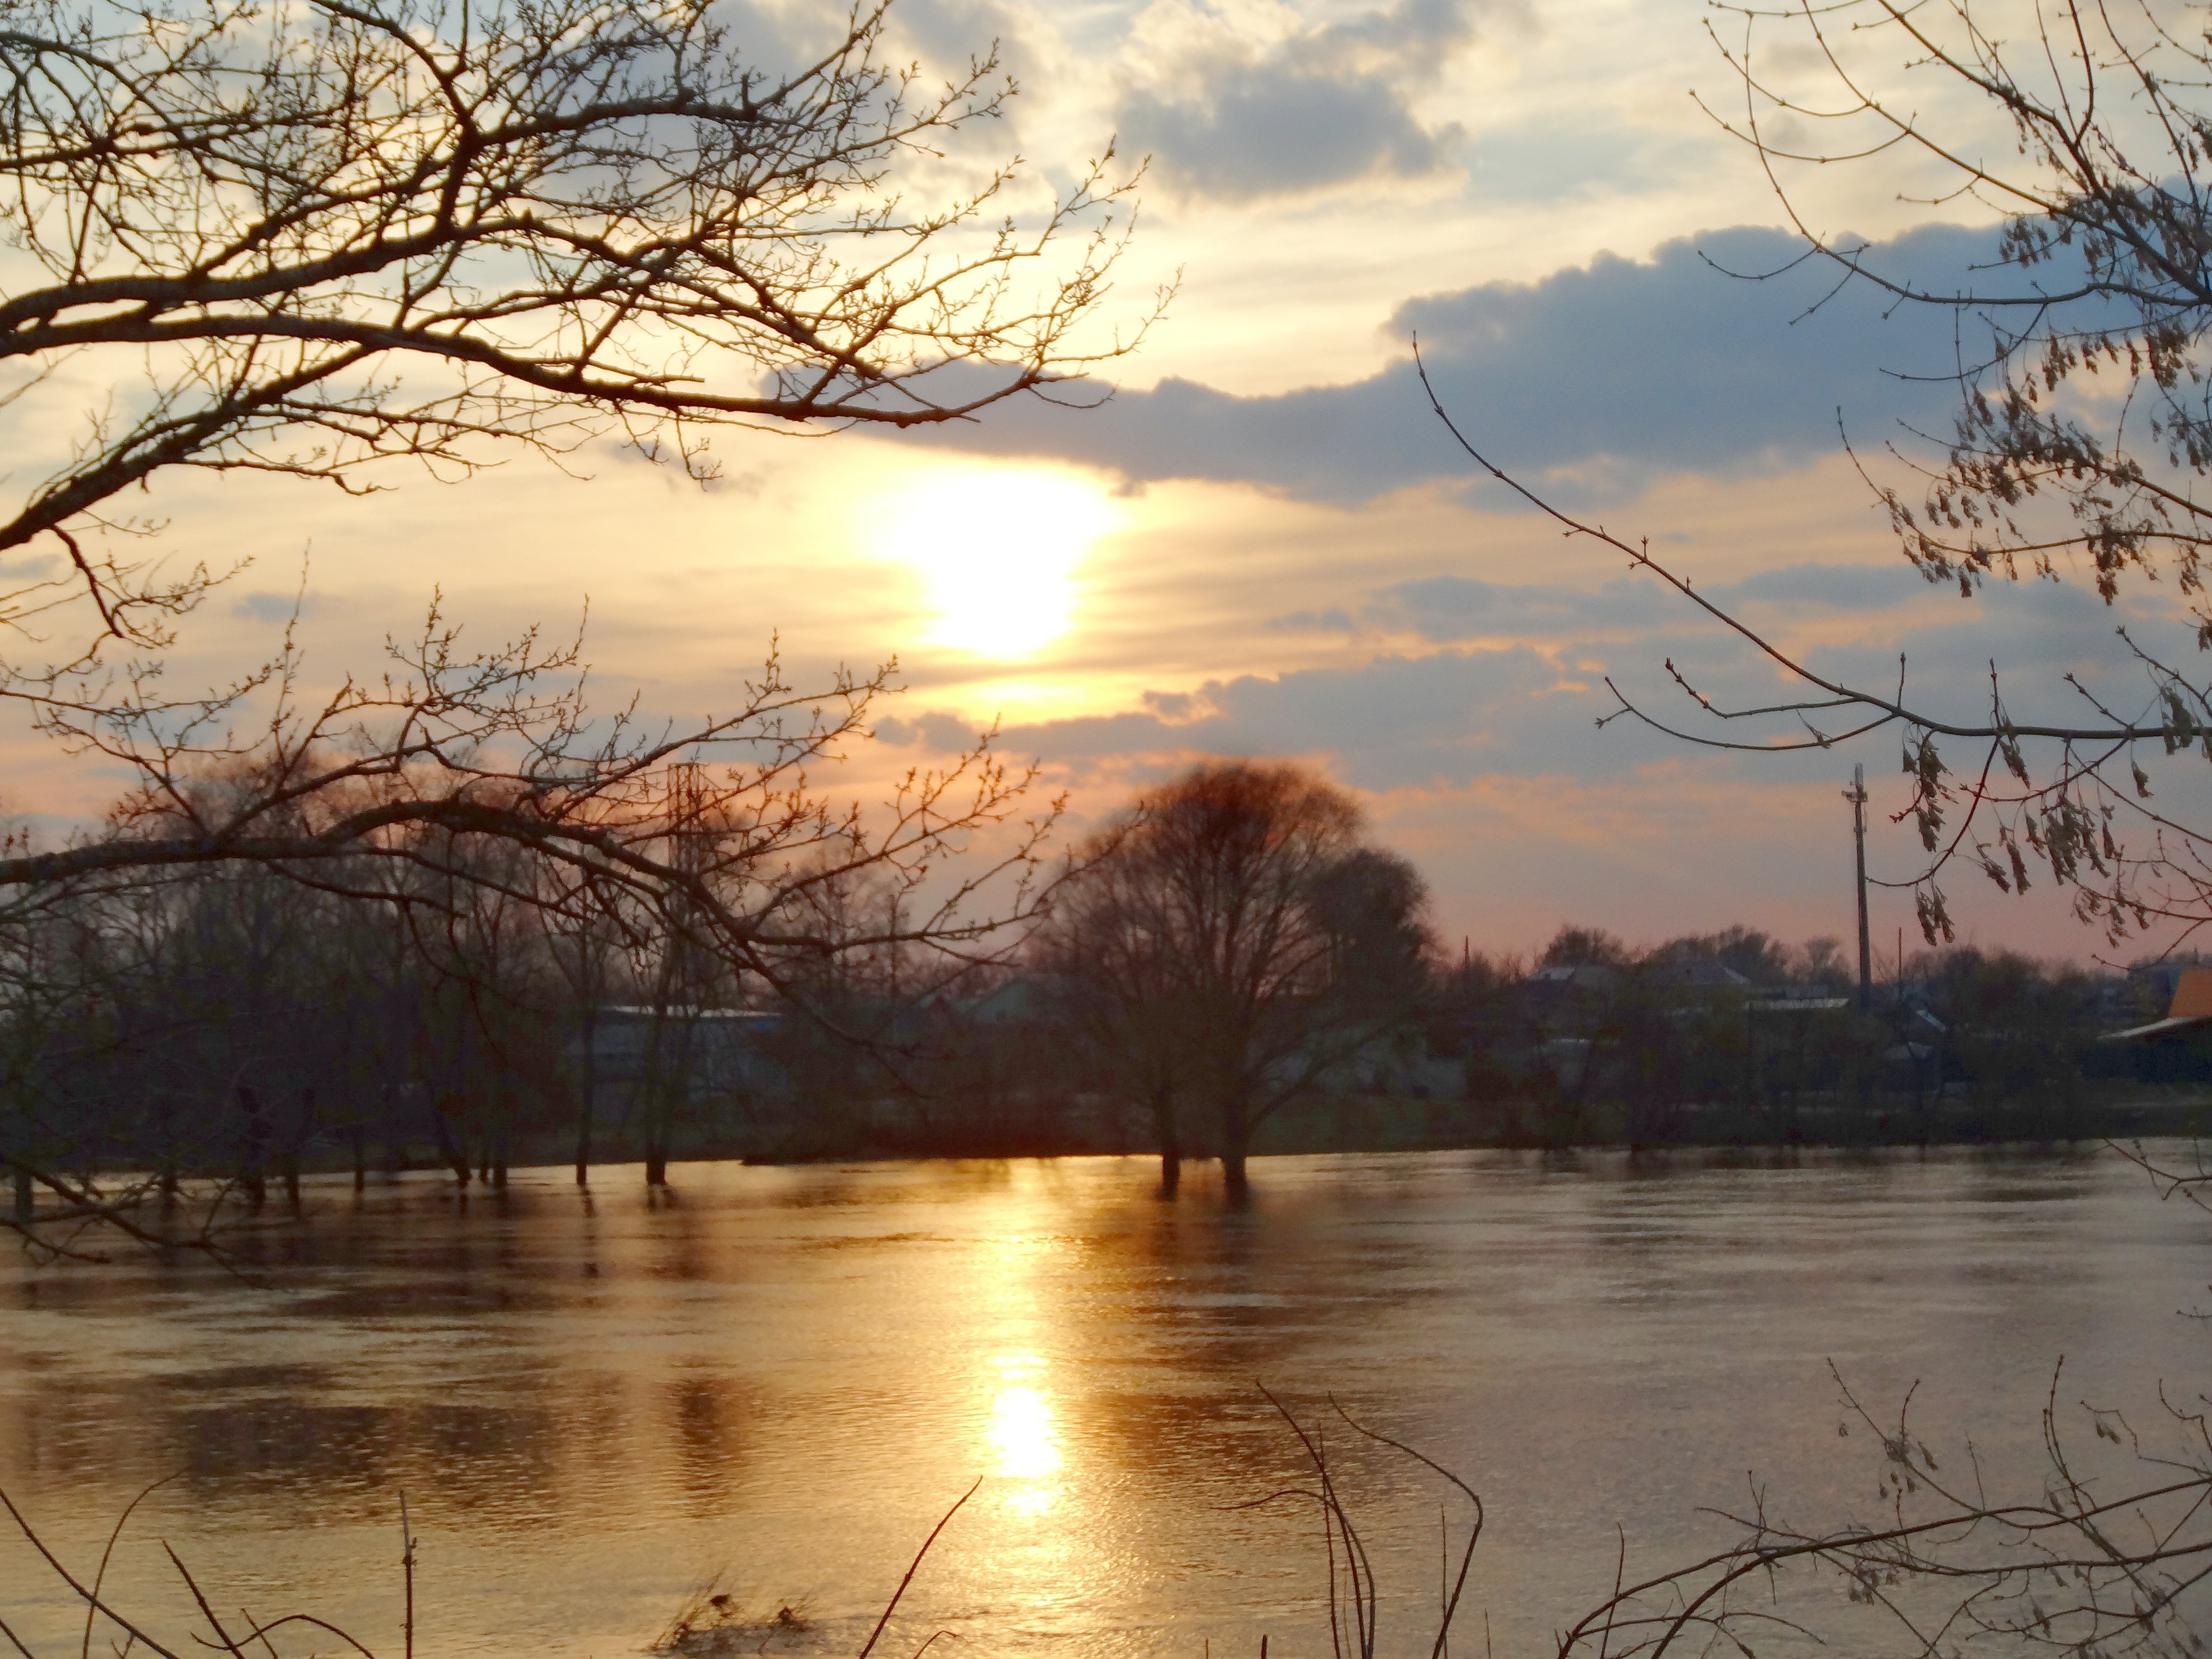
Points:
(322, 241)
(1230, 942)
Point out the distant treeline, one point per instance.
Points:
(1732, 1037)
(235, 1026)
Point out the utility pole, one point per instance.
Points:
(1856, 795)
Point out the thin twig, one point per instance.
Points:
(914, 1566)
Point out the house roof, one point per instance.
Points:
(674, 1013)
(2192, 995)
(1699, 972)
(1581, 975)
(2192, 1008)
(2158, 1028)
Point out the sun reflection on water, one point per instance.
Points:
(1025, 1435)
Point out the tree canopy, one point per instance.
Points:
(1234, 936)
(309, 241)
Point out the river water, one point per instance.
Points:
(786, 1376)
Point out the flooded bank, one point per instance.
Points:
(785, 1376)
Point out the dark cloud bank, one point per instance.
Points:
(1600, 377)
(1591, 381)
(1463, 709)
(1449, 609)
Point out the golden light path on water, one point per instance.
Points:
(1029, 1452)
(595, 1404)
(1022, 1427)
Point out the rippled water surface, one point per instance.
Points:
(787, 1375)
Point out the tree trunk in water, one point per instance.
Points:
(1236, 1143)
(496, 1138)
(656, 1145)
(660, 1126)
(164, 1160)
(584, 1107)
(1170, 1139)
(288, 1161)
(1235, 1183)
(26, 1195)
(360, 1160)
(653, 1122)
(252, 1149)
(455, 1154)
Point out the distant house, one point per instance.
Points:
(1790, 1000)
(1020, 1001)
(714, 1056)
(2177, 1048)
(1570, 979)
(2157, 982)
(2188, 1015)
(1699, 975)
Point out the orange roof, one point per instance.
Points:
(2192, 994)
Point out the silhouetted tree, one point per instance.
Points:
(1759, 958)
(583, 940)
(1108, 947)
(1573, 947)
(2016, 1032)
(1237, 934)
(307, 241)
(563, 219)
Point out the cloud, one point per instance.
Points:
(1267, 129)
(931, 730)
(1457, 608)
(1451, 608)
(1324, 105)
(1445, 718)
(1394, 722)
(1591, 381)
(264, 606)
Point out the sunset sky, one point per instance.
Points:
(1264, 543)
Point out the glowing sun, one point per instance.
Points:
(998, 550)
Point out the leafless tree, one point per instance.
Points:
(89, 990)
(1230, 942)
(307, 241)
(1108, 947)
(2083, 433)
(559, 219)
(584, 942)
(2106, 1554)
(598, 215)
(698, 861)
